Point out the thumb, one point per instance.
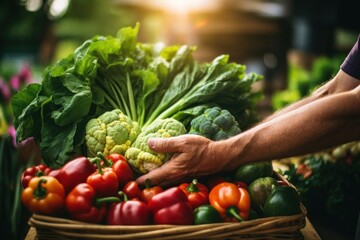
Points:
(163, 144)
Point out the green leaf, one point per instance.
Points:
(73, 109)
(24, 97)
(26, 108)
(57, 143)
(149, 83)
(128, 37)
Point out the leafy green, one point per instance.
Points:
(145, 81)
(331, 191)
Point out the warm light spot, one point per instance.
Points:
(33, 5)
(58, 8)
(158, 47)
(186, 6)
(202, 23)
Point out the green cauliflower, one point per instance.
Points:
(111, 132)
(141, 158)
(215, 123)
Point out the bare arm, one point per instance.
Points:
(340, 83)
(327, 118)
(320, 124)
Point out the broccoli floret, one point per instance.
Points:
(141, 158)
(111, 132)
(216, 124)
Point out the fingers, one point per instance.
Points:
(159, 176)
(188, 159)
(163, 144)
(156, 177)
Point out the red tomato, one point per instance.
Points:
(132, 190)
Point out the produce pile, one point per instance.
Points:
(328, 183)
(103, 190)
(93, 113)
(146, 83)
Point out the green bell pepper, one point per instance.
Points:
(282, 201)
(206, 214)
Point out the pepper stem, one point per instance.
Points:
(98, 165)
(100, 201)
(39, 173)
(107, 162)
(40, 192)
(193, 186)
(233, 211)
(123, 196)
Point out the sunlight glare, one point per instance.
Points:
(33, 5)
(187, 6)
(58, 8)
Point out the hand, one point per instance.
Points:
(194, 156)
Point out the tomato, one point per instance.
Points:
(148, 192)
(132, 190)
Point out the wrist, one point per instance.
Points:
(235, 150)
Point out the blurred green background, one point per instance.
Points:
(297, 45)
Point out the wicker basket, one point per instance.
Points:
(285, 227)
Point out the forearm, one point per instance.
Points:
(292, 107)
(340, 83)
(320, 124)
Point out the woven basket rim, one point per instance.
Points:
(60, 221)
(262, 226)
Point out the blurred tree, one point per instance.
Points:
(35, 34)
(86, 19)
(22, 32)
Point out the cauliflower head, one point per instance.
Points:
(141, 158)
(111, 132)
(215, 123)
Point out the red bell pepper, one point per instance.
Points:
(104, 181)
(128, 212)
(132, 190)
(148, 192)
(74, 172)
(171, 207)
(34, 171)
(120, 166)
(44, 195)
(114, 157)
(83, 205)
(123, 171)
(232, 202)
(197, 193)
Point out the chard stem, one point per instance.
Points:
(121, 101)
(131, 98)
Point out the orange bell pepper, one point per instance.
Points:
(44, 195)
(232, 202)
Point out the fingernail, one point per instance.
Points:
(151, 142)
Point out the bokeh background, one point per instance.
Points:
(295, 44)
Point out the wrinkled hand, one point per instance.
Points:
(194, 156)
